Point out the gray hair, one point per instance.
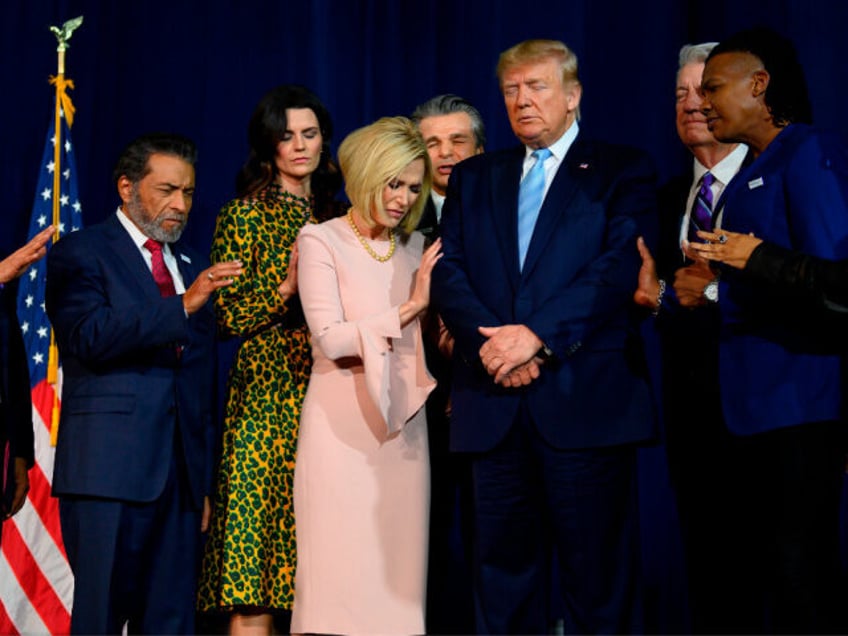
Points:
(694, 53)
(447, 104)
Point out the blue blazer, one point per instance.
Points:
(776, 362)
(574, 292)
(128, 401)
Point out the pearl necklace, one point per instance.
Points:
(368, 248)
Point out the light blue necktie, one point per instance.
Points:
(530, 194)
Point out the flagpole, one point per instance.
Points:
(63, 104)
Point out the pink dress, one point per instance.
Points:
(362, 474)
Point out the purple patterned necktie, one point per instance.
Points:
(702, 208)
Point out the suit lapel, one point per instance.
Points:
(740, 177)
(428, 225)
(506, 176)
(184, 263)
(127, 253)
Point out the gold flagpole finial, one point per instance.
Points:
(63, 35)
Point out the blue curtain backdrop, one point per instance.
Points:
(198, 67)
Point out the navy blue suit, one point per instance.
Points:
(136, 431)
(559, 453)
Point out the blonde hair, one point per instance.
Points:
(531, 51)
(372, 156)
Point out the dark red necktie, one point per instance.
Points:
(160, 271)
(162, 276)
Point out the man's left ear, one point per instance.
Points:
(573, 95)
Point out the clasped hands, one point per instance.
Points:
(509, 354)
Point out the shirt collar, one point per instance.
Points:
(560, 147)
(725, 169)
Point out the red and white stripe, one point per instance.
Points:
(36, 582)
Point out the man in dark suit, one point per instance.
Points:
(549, 391)
(16, 432)
(696, 440)
(136, 334)
(453, 131)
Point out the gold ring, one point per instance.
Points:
(210, 276)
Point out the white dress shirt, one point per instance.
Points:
(139, 239)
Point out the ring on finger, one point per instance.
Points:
(210, 275)
(722, 238)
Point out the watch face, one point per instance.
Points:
(711, 291)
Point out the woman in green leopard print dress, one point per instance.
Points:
(288, 181)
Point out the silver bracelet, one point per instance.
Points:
(660, 294)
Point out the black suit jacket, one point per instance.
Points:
(688, 337)
(428, 224)
(16, 429)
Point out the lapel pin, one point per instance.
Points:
(583, 166)
(185, 258)
(755, 183)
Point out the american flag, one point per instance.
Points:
(36, 583)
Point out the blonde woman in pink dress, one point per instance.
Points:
(361, 487)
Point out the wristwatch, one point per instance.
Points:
(711, 291)
(545, 353)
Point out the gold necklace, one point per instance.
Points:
(368, 248)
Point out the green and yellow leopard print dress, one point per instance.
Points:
(250, 553)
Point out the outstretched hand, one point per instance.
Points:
(419, 299)
(288, 287)
(647, 293)
(209, 281)
(18, 261)
(730, 248)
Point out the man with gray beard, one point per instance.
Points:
(132, 316)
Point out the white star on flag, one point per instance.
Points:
(36, 582)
